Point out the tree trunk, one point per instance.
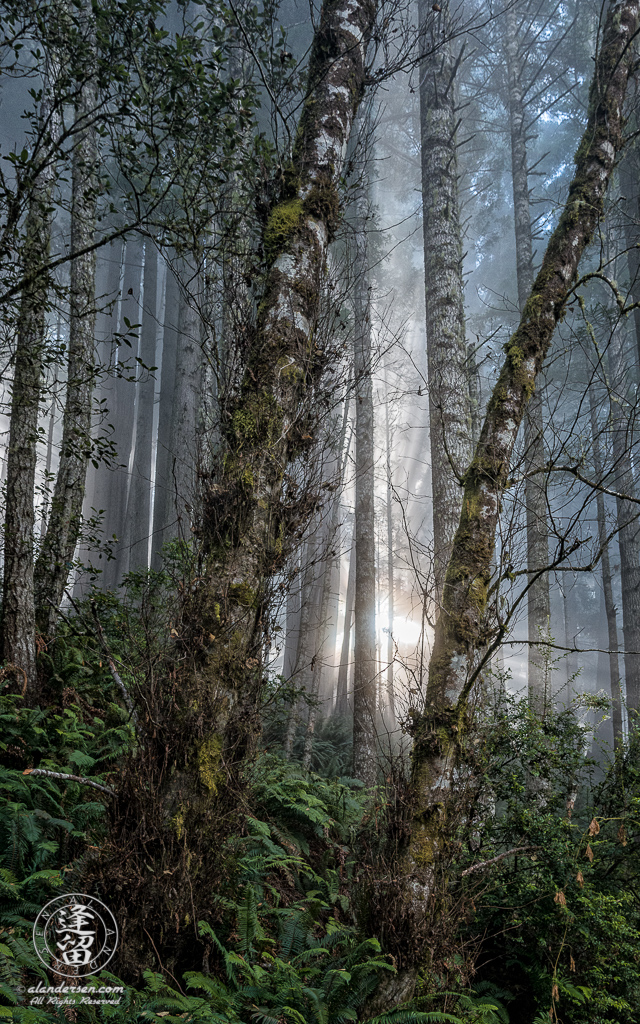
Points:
(163, 503)
(135, 537)
(122, 410)
(18, 603)
(342, 693)
(628, 525)
(448, 371)
(610, 608)
(365, 667)
(305, 653)
(629, 172)
(538, 606)
(329, 561)
(391, 697)
(65, 519)
(462, 629)
(189, 366)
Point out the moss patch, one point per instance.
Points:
(209, 759)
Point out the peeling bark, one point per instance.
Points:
(448, 371)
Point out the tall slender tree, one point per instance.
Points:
(538, 606)
(365, 666)
(18, 600)
(449, 405)
(56, 553)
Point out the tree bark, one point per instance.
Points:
(391, 697)
(271, 420)
(65, 519)
(18, 601)
(122, 410)
(342, 693)
(365, 667)
(610, 608)
(163, 504)
(630, 187)
(628, 524)
(448, 371)
(461, 629)
(329, 560)
(538, 606)
(189, 367)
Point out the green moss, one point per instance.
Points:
(284, 220)
(243, 595)
(209, 760)
(323, 203)
(177, 823)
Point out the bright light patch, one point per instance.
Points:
(406, 631)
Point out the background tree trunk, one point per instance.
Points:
(56, 554)
(449, 405)
(610, 609)
(538, 606)
(365, 668)
(628, 524)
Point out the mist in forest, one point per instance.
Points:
(318, 452)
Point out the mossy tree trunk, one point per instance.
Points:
(247, 513)
(461, 630)
(538, 606)
(18, 600)
(449, 402)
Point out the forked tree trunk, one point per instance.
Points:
(65, 519)
(449, 403)
(439, 732)
(18, 602)
(538, 606)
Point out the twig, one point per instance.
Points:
(68, 778)
(494, 860)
